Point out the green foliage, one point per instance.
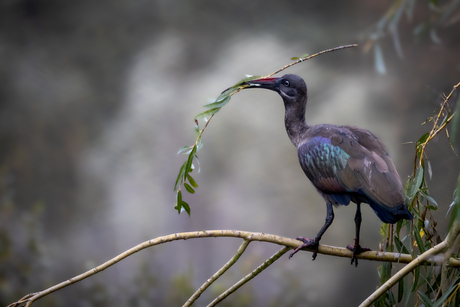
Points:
(427, 285)
(188, 167)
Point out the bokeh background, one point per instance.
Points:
(96, 97)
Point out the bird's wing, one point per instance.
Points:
(370, 168)
(355, 161)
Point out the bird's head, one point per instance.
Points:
(291, 87)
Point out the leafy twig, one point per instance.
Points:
(441, 247)
(403, 272)
(214, 107)
(422, 234)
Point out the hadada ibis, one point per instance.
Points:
(344, 163)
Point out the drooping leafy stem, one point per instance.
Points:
(184, 179)
(421, 234)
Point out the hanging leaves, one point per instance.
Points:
(421, 233)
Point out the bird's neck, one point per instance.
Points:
(296, 126)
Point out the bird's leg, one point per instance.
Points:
(315, 242)
(357, 249)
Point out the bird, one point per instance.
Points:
(344, 163)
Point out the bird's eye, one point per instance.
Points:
(286, 83)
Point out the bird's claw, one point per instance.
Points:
(357, 249)
(311, 244)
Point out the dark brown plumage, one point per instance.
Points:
(344, 163)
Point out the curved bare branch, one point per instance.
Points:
(246, 235)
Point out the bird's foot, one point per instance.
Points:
(307, 243)
(357, 249)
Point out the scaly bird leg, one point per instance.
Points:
(309, 243)
(357, 249)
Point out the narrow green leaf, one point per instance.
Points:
(431, 200)
(425, 299)
(228, 92)
(188, 168)
(385, 272)
(179, 197)
(400, 246)
(249, 78)
(380, 302)
(181, 175)
(416, 182)
(192, 181)
(446, 295)
(185, 150)
(218, 103)
(401, 289)
(383, 230)
(422, 139)
(416, 273)
(304, 55)
(239, 85)
(391, 298)
(189, 188)
(178, 206)
(428, 286)
(295, 58)
(399, 225)
(408, 295)
(419, 240)
(186, 207)
(208, 113)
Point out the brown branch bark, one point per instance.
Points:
(245, 235)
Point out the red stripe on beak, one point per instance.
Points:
(270, 79)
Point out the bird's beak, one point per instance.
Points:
(268, 83)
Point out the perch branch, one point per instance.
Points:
(245, 235)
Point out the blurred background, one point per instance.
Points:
(96, 98)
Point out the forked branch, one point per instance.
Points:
(248, 237)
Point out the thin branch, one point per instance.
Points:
(219, 273)
(435, 130)
(250, 276)
(245, 235)
(403, 272)
(310, 57)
